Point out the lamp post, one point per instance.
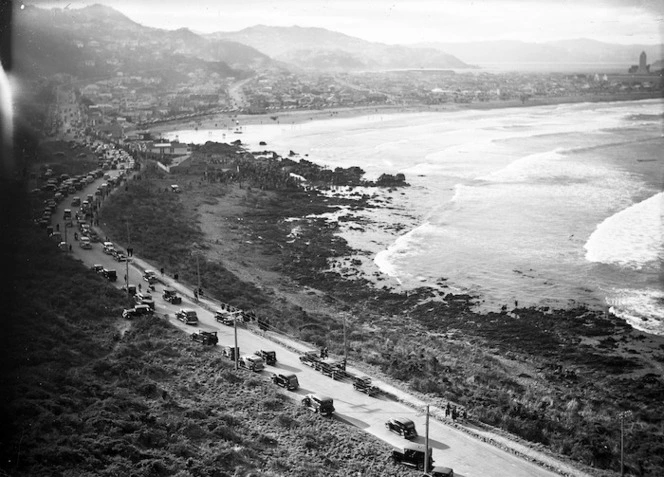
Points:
(195, 250)
(622, 440)
(127, 262)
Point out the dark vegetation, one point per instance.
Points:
(151, 219)
(559, 378)
(84, 393)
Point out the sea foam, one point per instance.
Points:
(632, 237)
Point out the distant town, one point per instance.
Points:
(114, 106)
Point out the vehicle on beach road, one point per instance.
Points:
(227, 318)
(332, 368)
(206, 337)
(288, 381)
(110, 275)
(230, 352)
(319, 404)
(138, 310)
(412, 455)
(270, 357)
(440, 471)
(252, 363)
(363, 384)
(129, 288)
(171, 296)
(402, 426)
(310, 358)
(188, 317)
(108, 248)
(144, 299)
(150, 276)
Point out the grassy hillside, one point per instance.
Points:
(86, 394)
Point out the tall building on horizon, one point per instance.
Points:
(642, 68)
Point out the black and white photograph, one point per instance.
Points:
(332, 238)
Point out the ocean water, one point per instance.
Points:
(545, 206)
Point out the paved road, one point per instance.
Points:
(451, 447)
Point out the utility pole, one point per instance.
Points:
(622, 441)
(195, 251)
(127, 262)
(198, 272)
(236, 352)
(426, 443)
(345, 344)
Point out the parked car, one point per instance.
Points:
(138, 310)
(120, 256)
(270, 357)
(230, 352)
(363, 384)
(412, 455)
(189, 317)
(310, 358)
(97, 268)
(110, 275)
(252, 363)
(227, 318)
(171, 296)
(318, 403)
(206, 337)
(108, 248)
(402, 426)
(144, 299)
(440, 471)
(288, 381)
(330, 367)
(150, 276)
(132, 289)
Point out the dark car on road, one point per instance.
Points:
(310, 358)
(439, 471)
(189, 317)
(138, 310)
(206, 337)
(270, 357)
(288, 381)
(228, 318)
(412, 455)
(110, 275)
(363, 384)
(319, 404)
(144, 299)
(402, 426)
(171, 296)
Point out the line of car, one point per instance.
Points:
(410, 455)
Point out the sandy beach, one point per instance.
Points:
(229, 120)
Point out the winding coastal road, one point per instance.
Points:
(453, 445)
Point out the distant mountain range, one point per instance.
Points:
(97, 41)
(581, 51)
(321, 49)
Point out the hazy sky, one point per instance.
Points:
(409, 21)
